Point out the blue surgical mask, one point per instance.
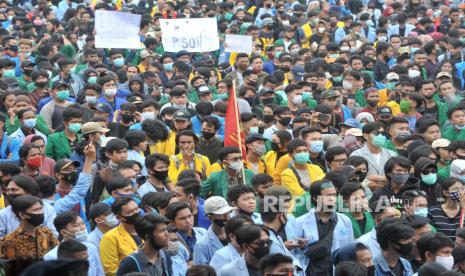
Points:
(302, 158)
(379, 140)
(422, 212)
(168, 66)
(119, 62)
(429, 179)
(30, 123)
(316, 146)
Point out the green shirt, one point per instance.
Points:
(452, 134)
(41, 125)
(369, 224)
(390, 146)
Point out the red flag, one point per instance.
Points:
(233, 136)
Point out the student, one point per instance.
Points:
(187, 190)
(158, 181)
(119, 187)
(255, 242)
(279, 141)
(319, 225)
(31, 239)
(210, 142)
(102, 220)
(261, 182)
(218, 211)
(395, 240)
(243, 199)
(72, 250)
(218, 183)
(426, 170)
(122, 240)
(356, 205)
(415, 203)
(181, 217)
(186, 141)
(255, 143)
(70, 226)
(232, 251)
(52, 112)
(436, 248)
(276, 264)
(300, 175)
(28, 122)
(150, 257)
(158, 202)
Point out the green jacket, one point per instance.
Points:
(58, 146)
(217, 184)
(41, 125)
(442, 112)
(23, 83)
(444, 172)
(390, 146)
(360, 98)
(369, 224)
(452, 135)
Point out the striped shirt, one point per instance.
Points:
(442, 222)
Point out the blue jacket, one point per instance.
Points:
(370, 34)
(118, 102)
(224, 256)
(180, 261)
(382, 268)
(197, 126)
(370, 241)
(205, 247)
(237, 267)
(306, 228)
(203, 221)
(394, 30)
(9, 146)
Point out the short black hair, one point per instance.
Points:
(67, 249)
(396, 160)
(117, 206)
(47, 186)
(224, 152)
(117, 182)
(186, 132)
(71, 113)
(116, 145)
(392, 230)
(248, 233)
(333, 151)
(235, 223)
(9, 168)
(459, 254)
(145, 225)
(201, 270)
(294, 144)
(270, 262)
(152, 159)
(135, 137)
(190, 186)
(63, 219)
(27, 183)
(261, 179)
(235, 192)
(24, 202)
(212, 121)
(433, 242)
(157, 200)
(174, 208)
(350, 268)
(316, 188)
(349, 188)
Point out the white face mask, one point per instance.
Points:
(110, 92)
(111, 220)
(413, 73)
(321, 29)
(382, 38)
(297, 99)
(81, 235)
(447, 262)
(345, 48)
(347, 85)
(236, 165)
(148, 116)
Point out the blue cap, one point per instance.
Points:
(298, 72)
(351, 122)
(104, 107)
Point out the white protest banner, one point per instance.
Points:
(190, 34)
(117, 30)
(238, 44)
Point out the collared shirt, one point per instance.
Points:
(95, 237)
(189, 240)
(323, 227)
(20, 244)
(234, 181)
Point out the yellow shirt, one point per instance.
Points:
(170, 148)
(383, 101)
(290, 181)
(271, 164)
(261, 166)
(281, 165)
(115, 245)
(201, 164)
(308, 33)
(215, 167)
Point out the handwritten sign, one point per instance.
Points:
(117, 30)
(238, 43)
(190, 34)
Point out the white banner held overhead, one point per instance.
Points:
(118, 30)
(238, 44)
(190, 34)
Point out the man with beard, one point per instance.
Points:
(433, 107)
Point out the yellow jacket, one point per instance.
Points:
(170, 148)
(308, 33)
(281, 165)
(115, 245)
(215, 167)
(159, 147)
(270, 161)
(290, 181)
(201, 164)
(383, 101)
(261, 166)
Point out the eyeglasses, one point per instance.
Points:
(340, 161)
(429, 171)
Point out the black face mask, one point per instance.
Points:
(252, 83)
(131, 219)
(261, 252)
(462, 157)
(261, 129)
(285, 69)
(285, 121)
(11, 197)
(403, 249)
(127, 118)
(71, 177)
(208, 135)
(41, 84)
(249, 214)
(160, 175)
(268, 119)
(251, 101)
(169, 123)
(35, 219)
(266, 101)
(274, 146)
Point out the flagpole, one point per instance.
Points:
(239, 136)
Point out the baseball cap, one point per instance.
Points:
(252, 137)
(351, 122)
(263, 91)
(99, 209)
(64, 163)
(217, 205)
(267, 21)
(392, 77)
(348, 170)
(354, 132)
(298, 73)
(384, 110)
(103, 107)
(93, 127)
(58, 84)
(440, 143)
(443, 74)
(181, 115)
(328, 94)
(203, 90)
(423, 163)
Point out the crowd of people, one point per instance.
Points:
(345, 154)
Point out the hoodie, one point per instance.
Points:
(395, 199)
(138, 79)
(433, 191)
